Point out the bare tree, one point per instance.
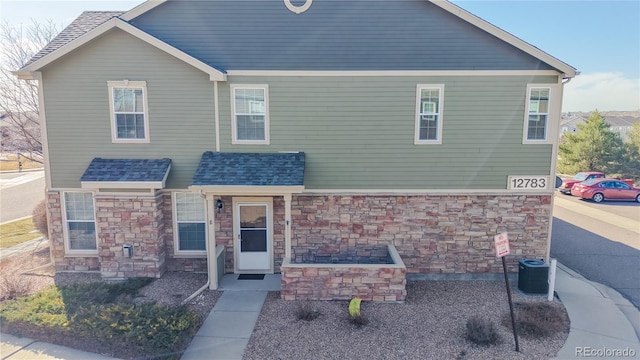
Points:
(20, 128)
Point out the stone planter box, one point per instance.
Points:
(345, 281)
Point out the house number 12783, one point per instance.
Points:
(524, 182)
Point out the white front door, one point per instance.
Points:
(253, 236)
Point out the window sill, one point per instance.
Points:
(427, 142)
(83, 254)
(181, 255)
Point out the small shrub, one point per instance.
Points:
(355, 316)
(482, 332)
(538, 319)
(40, 218)
(307, 311)
(14, 285)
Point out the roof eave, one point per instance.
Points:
(214, 74)
(567, 70)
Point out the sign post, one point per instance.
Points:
(502, 249)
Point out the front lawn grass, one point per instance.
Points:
(102, 317)
(17, 232)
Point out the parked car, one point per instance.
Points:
(605, 189)
(567, 184)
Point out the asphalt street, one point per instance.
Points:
(599, 241)
(20, 192)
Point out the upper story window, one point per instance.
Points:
(250, 114)
(190, 223)
(429, 114)
(537, 114)
(80, 221)
(129, 111)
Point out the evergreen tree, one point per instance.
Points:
(631, 161)
(592, 148)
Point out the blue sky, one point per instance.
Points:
(599, 38)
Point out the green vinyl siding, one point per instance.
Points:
(358, 132)
(180, 98)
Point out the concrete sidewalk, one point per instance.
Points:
(602, 323)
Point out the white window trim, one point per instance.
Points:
(176, 234)
(234, 135)
(438, 140)
(114, 129)
(65, 227)
(553, 113)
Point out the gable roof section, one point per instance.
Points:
(336, 35)
(126, 173)
(84, 30)
(250, 169)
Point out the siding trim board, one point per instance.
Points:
(26, 72)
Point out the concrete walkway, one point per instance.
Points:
(602, 322)
(225, 333)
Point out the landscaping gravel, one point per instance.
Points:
(431, 324)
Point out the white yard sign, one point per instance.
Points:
(502, 244)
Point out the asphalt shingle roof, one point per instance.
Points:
(250, 169)
(86, 22)
(114, 170)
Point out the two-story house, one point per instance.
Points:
(286, 129)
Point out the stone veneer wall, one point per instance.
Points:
(434, 234)
(56, 240)
(343, 282)
(137, 220)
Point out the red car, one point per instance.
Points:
(605, 189)
(567, 184)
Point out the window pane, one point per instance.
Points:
(250, 101)
(253, 216)
(537, 126)
(130, 126)
(250, 127)
(139, 104)
(192, 236)
(79, 206)
(429, 99)
(189, 207)
(82, 236)
(428, 127)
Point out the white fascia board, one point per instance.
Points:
(121, 184)
(427, 192)
(247, 190)
(567, 69)
(214, 74)
(141, 9)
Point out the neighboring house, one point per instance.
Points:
(284, 132)
(620, 125)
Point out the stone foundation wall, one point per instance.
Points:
(441, 234)
(133, 220)
(342, 282)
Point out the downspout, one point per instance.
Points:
(216, 114)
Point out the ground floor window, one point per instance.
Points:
(80, 221)
(190, 233)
